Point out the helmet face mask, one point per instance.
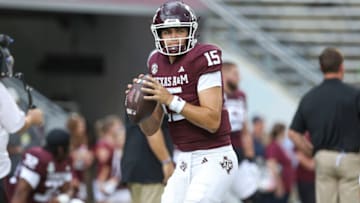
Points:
(174, 15)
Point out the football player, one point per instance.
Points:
(44, 173)
(245, 183)
(187, 84)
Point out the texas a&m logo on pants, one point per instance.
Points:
(227, 164)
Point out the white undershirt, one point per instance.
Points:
(209, 80)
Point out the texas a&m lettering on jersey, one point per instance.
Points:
(181, 78)
(173, 81)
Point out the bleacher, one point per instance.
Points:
(285, 37)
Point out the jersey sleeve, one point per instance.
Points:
(298, 123)
(210, 60)
(12, 119)
(32, 166)
(209, 80)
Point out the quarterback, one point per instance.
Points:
(187, 84)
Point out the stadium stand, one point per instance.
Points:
(285, 37)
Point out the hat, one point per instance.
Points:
(57, 137)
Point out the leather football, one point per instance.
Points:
(137, 108)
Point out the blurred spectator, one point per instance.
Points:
(12, 119)
(330, 112)
(284, 171)
(80, 153)
(305, 176)
(108, 154)
(147, 163)
(44, 174)
(245, 183)
(122, 194)
(258, 134)
(235, 103)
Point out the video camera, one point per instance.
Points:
(6, 59)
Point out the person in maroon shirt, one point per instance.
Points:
(284, 172)
(236, 105)
(108, 158)
(44, 173)
(245, 183)
(187, 84)
(81, 156)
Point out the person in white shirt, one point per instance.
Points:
(13, 120)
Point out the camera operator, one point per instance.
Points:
(12, 119)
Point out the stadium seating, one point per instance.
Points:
(285, 37)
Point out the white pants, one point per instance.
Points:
(202, 176)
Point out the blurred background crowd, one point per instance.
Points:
(96, 152)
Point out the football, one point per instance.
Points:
(137, 108)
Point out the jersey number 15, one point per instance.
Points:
(212, 57)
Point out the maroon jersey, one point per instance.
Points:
(79, 165)
(181, 78)
(45, 175)
(275, 151)
(236, 105)
(111, 160)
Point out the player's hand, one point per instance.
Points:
(134, 80)
(168, 170)
(157, 91)
(36, 116)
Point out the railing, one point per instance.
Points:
(285, 55)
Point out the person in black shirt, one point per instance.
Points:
(330, 112)
(147, 163)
